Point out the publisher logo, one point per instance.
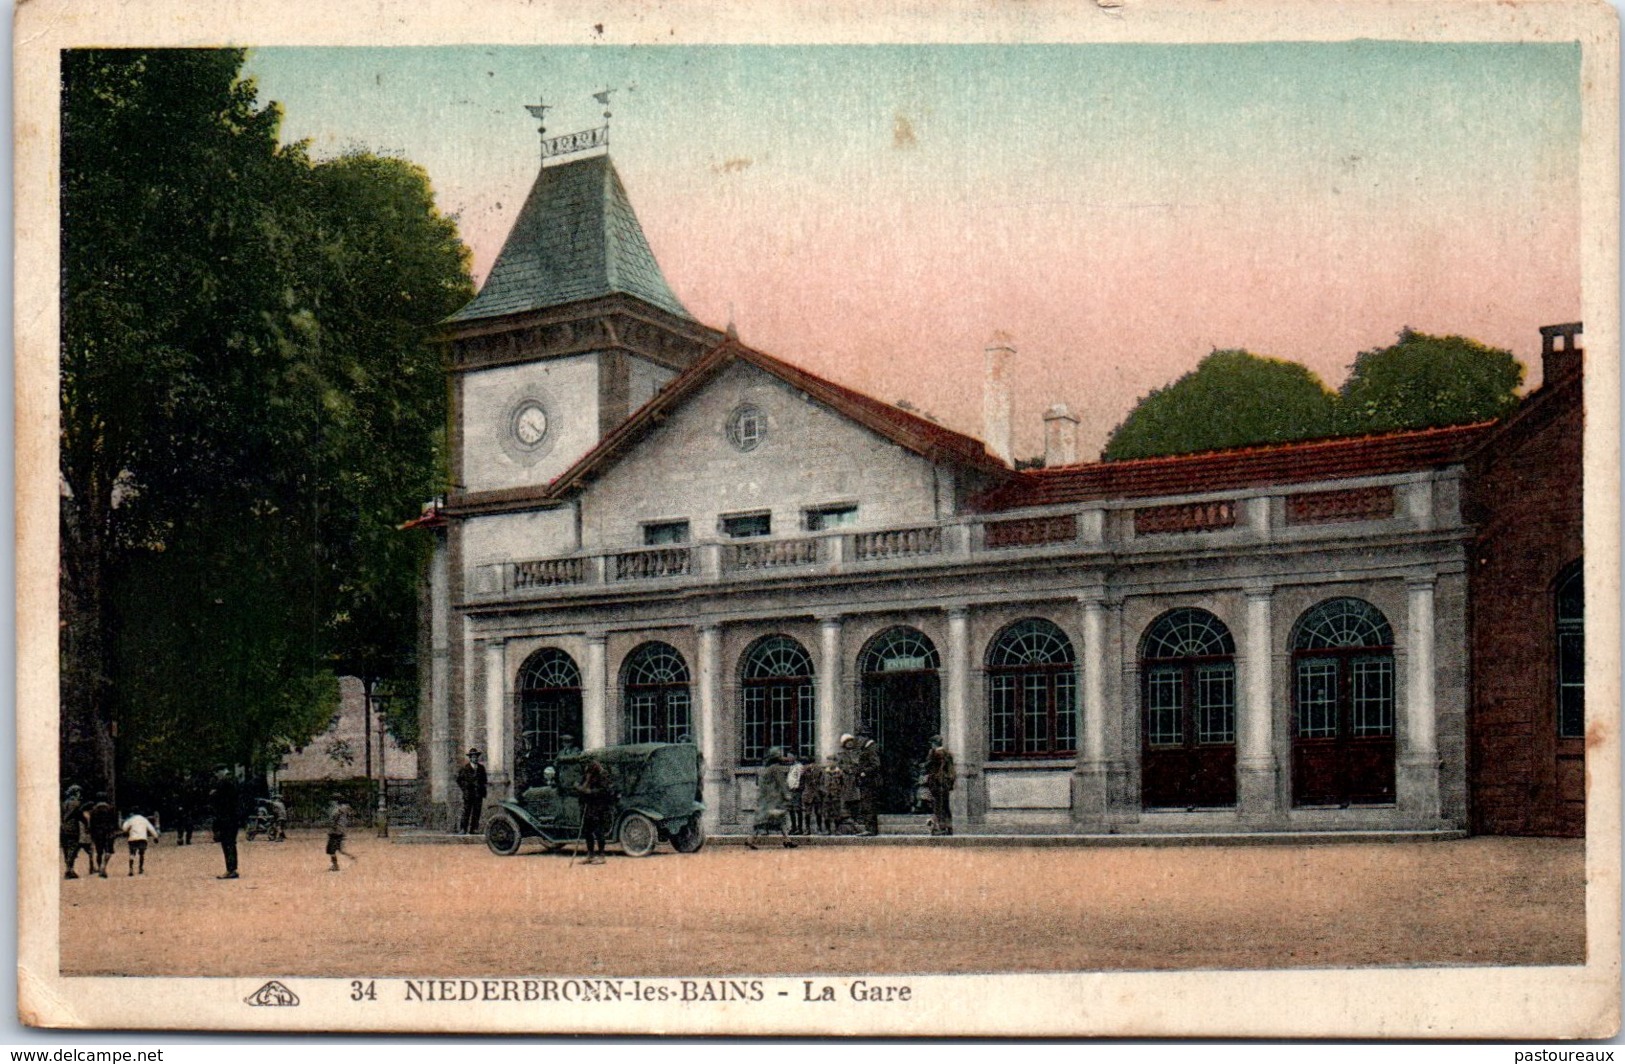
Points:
(272, 993)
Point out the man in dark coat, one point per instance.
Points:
(471, 780)
(103, 820)
(227, 817)
(939, 781)
(868, 783)
(596, 793)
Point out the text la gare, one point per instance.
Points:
(856, 990)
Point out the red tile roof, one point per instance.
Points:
(1242, 467)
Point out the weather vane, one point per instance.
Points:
(570, 143)
(538, 111)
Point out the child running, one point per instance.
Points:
(138, 831)
(339, 824)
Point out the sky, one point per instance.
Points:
(876, 214)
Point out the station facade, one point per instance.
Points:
(656, 532)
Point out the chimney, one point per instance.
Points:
(996, 398)
(1060, 437)
(1559, 362)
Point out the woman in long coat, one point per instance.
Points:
(773, 798)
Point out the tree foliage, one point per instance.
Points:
(249, 407)
(1426, 381)
(1231, 399)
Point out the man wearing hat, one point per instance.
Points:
(471, 780)
(868, 762)
(223, 804)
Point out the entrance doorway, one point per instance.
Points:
(1342, 705)
(549, 694)
(901, 708)
(1188, 741)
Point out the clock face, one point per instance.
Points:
(530, 424)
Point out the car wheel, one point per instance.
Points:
(689, 838)
(502, 835)
(639, 835)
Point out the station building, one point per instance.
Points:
(655, 531)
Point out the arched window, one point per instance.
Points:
(900, 649)
(1032, 692)
(1188, 744)
(776, 691)
(1570, 594)
(1343, 704)
(549, 694)
(654, 692)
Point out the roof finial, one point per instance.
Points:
(732, 331)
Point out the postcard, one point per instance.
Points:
(933, 520)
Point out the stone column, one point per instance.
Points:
(1089, 779)
(968, 799)
(710, 721)
(1257, 788)
(442, 757)
(595, 695)
(828, 685)
(470, 696)
(496, 715)
(1418, 768)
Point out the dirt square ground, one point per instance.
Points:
(409, 910)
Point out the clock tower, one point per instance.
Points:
(573, 330)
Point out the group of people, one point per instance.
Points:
(94, 826)
(798, 796)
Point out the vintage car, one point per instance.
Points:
(658, 798)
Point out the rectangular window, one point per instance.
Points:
(1164, 705)
(642, 726)
(1216, 704)
(1317, 699)
(1002, 713)
(743, 526)
(660, 533)
(1035, 713)
(1571, 683)
(827, 517)
(1373, 696)
(1066, 711)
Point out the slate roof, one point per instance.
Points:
(576, 238)
(1241, 467)
(909, 431)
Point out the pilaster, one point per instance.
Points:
(595, 694)
(1417, 773)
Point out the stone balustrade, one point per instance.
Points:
(1402, 503)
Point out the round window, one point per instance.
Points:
(746, 428)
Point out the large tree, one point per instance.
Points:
(1231, 399)
(248, 408)
(1425, 381)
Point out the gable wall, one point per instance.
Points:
(687, 469)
